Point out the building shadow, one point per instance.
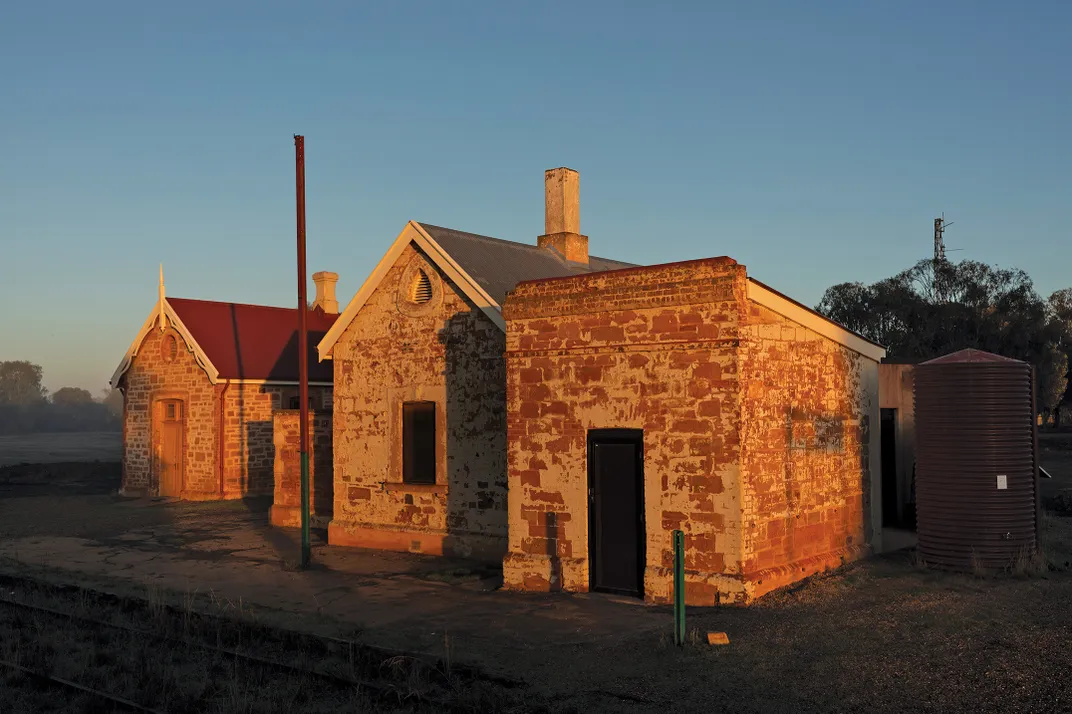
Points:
(476, 467)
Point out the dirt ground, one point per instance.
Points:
(883, 635)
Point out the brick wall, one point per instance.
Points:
(249, 450)
(246, 440)
(286, 505)
(445, 351)
(806, 420)
(149, 379)
(756, 430)
(651, 349)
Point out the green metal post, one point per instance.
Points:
(305, 545)
(679, 588)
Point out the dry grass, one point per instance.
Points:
(182, 663)
(60, 448)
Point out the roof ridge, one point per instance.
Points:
(239, 304)
(530, 246)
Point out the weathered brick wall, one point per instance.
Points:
(652, 349)
(446, 351)
(149, 379)
(806, 419)
(286, 505)
(249, 450)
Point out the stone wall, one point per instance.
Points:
(808, 409)
(249, 452)
(243, 408)
(445, 351)
(286, 506)
(149, 379)
(652, 349)
(756, 430)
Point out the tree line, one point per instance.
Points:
(27, 407)
(937, 307)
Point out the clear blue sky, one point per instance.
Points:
(813, 142)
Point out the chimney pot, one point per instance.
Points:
(562, 215)
(325, 292)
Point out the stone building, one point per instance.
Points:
(200, 383)
(419, 421)
(684, 396)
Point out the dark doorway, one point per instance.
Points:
(890, 511)
(616, 510)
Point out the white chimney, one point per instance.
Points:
(325, 292)
(562, 215)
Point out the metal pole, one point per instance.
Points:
(303, 356)
(679, 588)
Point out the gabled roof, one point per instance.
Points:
(483, 268)
(486, 268)
(499, 265)
(239, 342)
(254, 341)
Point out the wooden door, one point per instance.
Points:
(616, 511)
(169, 448)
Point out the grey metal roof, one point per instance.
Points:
(498, 265)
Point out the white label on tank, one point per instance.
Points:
(1003, 482)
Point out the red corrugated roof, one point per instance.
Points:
(254, 341)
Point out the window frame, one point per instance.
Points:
(412, 465)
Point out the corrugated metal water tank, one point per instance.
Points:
(976, 473)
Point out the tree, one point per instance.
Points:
(20, 383)
(1060, 303)
(71, 397)
(933, 309)
(112, 399)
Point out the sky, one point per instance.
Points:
(814, 143)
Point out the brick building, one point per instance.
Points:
(419, 422)
(200, 384)
(684, 396)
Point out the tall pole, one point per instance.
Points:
(303, 353)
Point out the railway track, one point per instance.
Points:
(75, 686)
(370, 662)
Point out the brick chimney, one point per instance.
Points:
(325, 292)
(562, 215)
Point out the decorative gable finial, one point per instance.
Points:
(163, 318)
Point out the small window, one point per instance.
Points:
(418, 442)
(172, 411)
(327, 400)
(295, 402)
(420, 290)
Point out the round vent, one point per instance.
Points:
(420, 290)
